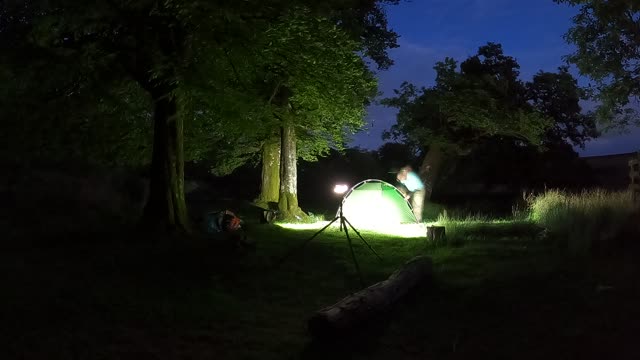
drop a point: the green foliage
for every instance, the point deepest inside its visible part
(557, 96)
(582, 220)
(328, 83)
(483, 99)
(78, 84)
(607, 38)
(482, 105)
(222, 61)
(365, 21)
(303, 68)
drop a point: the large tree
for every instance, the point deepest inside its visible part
(171, 51)
(321, 86)
(557, 96)
(482, 99)
(197, 64)
(312, 76)
(504, 160)
(606, 34)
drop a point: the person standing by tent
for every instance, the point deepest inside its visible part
(411, 181)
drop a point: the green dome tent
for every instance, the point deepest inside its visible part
(375, 203)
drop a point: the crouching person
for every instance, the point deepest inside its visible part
(415, 190)
(227, 227)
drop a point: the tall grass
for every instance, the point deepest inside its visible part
(471, 228)
(582, 219)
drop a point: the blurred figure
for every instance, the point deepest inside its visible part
(415, 190)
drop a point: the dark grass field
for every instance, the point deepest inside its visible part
(501, 294)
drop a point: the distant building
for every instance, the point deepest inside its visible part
(610, 171)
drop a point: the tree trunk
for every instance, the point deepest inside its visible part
(364, 306)
(166, 206)
(430, 168)
(270, 185)
(288, 197)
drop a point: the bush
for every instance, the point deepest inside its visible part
(584, 219)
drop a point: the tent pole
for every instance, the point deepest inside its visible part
(353, 254)
(294, 250)
(361, 238)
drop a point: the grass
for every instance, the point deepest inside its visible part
(582, 223)
(479, 228)
(99, 291)
(500, 293)
(583, 219)
(500, 289)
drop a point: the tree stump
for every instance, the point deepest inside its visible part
(436, 234)
(365, 305)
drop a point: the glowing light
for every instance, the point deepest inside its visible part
(306, 226)
(397, 230)
(340, 188)
(374, 204)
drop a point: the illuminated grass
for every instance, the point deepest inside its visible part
(399, 230)
(458, 231)
(303, 226)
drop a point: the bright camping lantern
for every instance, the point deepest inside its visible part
(374, 204)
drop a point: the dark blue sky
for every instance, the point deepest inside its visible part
(529, 30)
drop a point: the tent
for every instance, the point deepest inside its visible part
(375, 203)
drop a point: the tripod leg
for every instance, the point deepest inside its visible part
(296, 249)
(353, 254)
(363, 240)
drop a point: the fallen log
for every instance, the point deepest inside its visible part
(364, 306)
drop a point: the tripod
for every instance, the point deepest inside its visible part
(343, 227)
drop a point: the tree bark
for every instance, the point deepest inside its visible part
(430, 168)
(288, 198)
(270, 185)
(364, 306)
(166, 206)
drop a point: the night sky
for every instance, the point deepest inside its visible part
(529, 30)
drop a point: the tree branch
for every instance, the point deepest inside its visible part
(275, 92)
(233, 67)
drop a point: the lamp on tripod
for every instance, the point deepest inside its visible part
(344, 224)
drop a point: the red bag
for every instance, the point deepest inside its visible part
(230, 222)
